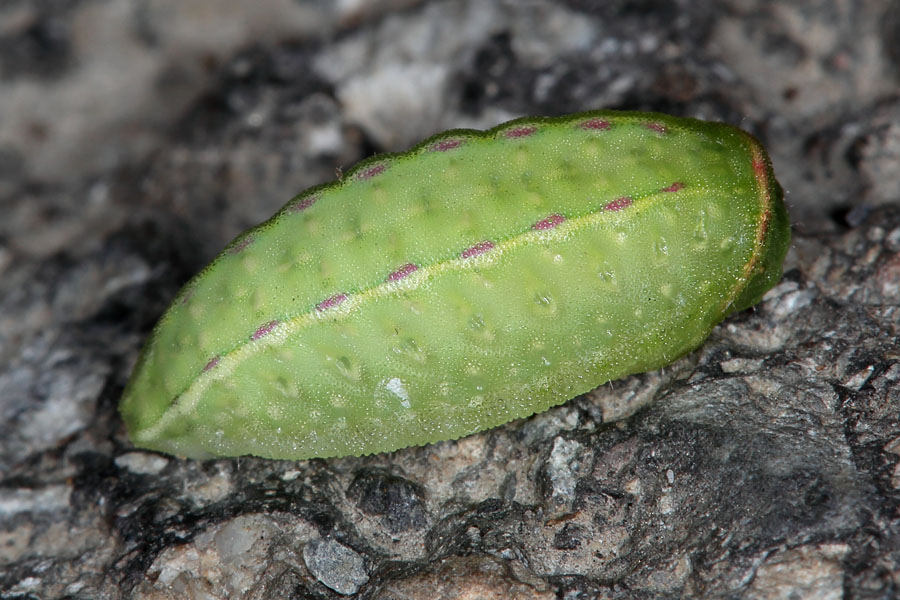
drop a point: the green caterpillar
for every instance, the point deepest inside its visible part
(478, 278)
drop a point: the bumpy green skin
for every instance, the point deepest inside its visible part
(531, 263)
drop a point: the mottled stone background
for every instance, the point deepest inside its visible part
(138, 137)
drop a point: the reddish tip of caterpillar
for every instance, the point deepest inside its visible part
(212, 363)
(619, 203)
(402, 272)
(595, 123)
(444, 145)
(371, 172)
(548, 223)
(264, 330)
(759, 168)
(331, 302)
(520, 132)
(304, 203)
(241, 245)
(479, 248)
(657, 127)
(677, 185)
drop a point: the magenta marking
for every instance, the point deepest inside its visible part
(520, 132)
(264, 330)
(595, 123)
(619, 203)
(212, 363)
(371, 172)
(479, 248)
(187, 296)
(657, 127)
(304, 203)
(402, 272)
(444, 145)
(241, 245)
(331, 302)
(674, 187)
(548, 223)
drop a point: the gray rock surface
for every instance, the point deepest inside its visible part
(335, 565)
(136, 139)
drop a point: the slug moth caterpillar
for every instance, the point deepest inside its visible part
(479, 277)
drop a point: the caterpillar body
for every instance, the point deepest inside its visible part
(480, 277)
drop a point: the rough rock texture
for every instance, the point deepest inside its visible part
(137, 138)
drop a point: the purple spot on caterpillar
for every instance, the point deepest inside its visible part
(402, 272)
(595, 123)
(241, 245)
(674, 187)
(212, 363)
(548, 223)
(479, 248)
(187, 296)
(371, 172)
(331, 302)
(444, 145)
(657, 127)
(304, 203)
(619, 203)
(264, 330)
(520, 132)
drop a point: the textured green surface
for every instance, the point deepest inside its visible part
(478, 278)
